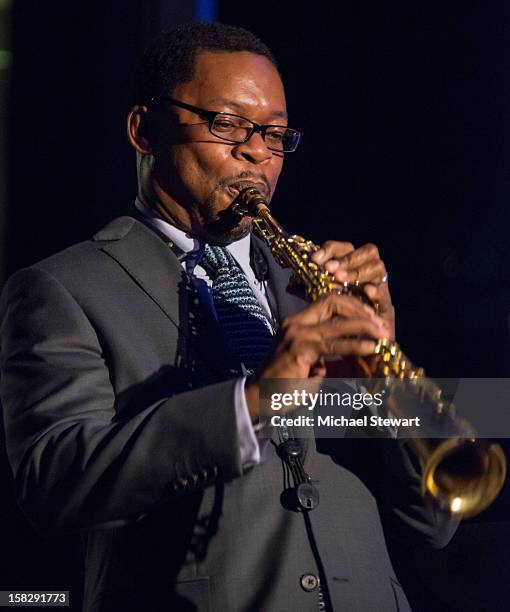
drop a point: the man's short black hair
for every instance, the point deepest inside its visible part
(170, 58)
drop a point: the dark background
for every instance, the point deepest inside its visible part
(405, 111)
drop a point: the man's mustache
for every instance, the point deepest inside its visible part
(244, 179)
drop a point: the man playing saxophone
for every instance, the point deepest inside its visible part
(132, 364)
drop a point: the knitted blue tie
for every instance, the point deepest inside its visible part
(246, 328)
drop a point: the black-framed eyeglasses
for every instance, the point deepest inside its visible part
(237, 129)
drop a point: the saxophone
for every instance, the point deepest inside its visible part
(463, 475)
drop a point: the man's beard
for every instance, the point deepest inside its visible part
(224, 227)
(218, 237)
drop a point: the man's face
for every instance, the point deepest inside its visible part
(196, 173)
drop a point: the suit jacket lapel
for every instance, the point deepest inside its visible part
(152, 265)
(147, 260)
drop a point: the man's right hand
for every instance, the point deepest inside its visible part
(334, 326)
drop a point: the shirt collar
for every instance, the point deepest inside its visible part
(190, 245)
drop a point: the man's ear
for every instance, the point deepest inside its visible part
(137, 129)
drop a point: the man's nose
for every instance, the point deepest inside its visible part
(253, 150)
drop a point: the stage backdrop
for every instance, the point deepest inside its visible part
(407, 131)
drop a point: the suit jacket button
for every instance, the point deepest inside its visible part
(309, 582)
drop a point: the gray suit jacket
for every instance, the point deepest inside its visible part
(119, 416)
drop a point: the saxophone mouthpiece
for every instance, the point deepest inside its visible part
(250, 202)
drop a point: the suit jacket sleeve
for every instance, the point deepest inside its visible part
(407, 517)
(390, 471)
(75, 464)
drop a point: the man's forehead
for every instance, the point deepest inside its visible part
(234, 104)
(234, 79)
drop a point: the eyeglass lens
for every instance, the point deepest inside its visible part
(237, 129)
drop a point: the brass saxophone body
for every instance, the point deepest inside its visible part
(461, 474)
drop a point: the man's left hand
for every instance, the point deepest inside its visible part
(363, 265)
